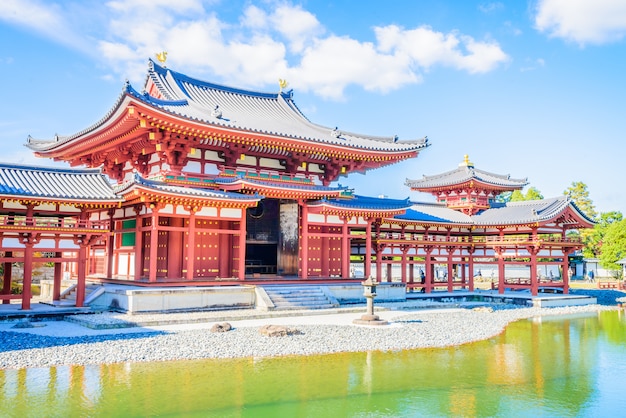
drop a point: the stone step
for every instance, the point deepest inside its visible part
(298, 297)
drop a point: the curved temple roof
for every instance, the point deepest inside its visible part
(466, 172)
(190, 192)
(56, 184)
(512, 213)
(268, 113)
(236, 109)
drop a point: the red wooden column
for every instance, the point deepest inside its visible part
(565, 271)
(500, 254)
(241, 265)
(345, 249)
(138, 242)
(470, 262)
(28, 272)
(191, 243)
(428, 265)
(82, 273)
(8, 271)
(379, 261)
(58, 276)
(110, 244)
(154, 242)
(450, 270)
(304, 242)
(405, 250)
(367, 268)
(534, 280)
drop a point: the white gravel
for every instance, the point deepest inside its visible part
(186, 336)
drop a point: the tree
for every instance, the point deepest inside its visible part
(579, 193)
(594, 238)
(614, 245)
(531, 194)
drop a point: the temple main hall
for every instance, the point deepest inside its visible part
(190, 183)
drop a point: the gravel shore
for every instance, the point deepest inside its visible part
(64, 343)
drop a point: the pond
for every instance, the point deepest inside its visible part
(561, 366)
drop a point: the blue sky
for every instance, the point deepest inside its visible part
(533, 89)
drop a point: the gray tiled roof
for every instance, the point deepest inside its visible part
(184, 191)
(464, 174)
(435, 212)
(527, 212)
(238, 109)
(74, 185)
(512, 213)
(268, 113)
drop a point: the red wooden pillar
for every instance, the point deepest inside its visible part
(58, 276)
(501, 271)
(154, 243)
(534, 280)
(345, 249)
(241, 265)
(379, 262)
(367, 257)
(450, 269)
(110, 245)
(304, 242)
(470, 262)
(428, 265)
(28, 274)
(565, 272)
(403, 263)
(82, 273)
(191, 244)
(138, 243)
(8, 271)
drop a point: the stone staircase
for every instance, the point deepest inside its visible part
(68, 296)
(292, 297)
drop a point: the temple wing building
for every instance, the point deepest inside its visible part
(212, 184)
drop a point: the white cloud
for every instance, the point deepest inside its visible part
(427, 48)
(333, 63)
(582, 21)
(297, 25)
(267, 41)
(50, 21)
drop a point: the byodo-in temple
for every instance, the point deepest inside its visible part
(190, 183)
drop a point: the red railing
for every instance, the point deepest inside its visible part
(36, 222)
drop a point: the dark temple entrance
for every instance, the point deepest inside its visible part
(272, 238)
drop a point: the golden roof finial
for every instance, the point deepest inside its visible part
(162, 57)
(466, 162)
(282, 83)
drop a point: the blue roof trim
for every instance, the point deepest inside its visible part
(414, 215)
(182, 78)
(365, 202)
(145, 97)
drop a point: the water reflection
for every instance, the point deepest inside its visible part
(553, 366)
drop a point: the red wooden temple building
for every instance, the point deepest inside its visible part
(211, 183)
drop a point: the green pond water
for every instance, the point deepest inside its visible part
(571, 366)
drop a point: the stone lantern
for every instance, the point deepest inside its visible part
(369, 291)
